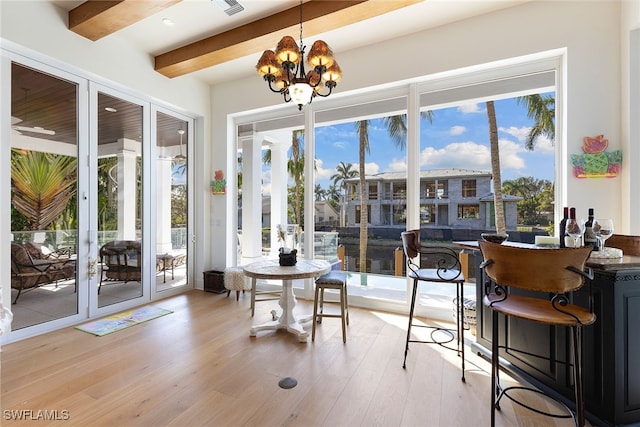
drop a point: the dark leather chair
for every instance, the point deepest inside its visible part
(546, 276)
(438, 264)
(630, 245)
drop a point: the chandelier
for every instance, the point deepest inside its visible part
(284, 72)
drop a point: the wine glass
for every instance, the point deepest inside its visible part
(603, 229)
(575, 229)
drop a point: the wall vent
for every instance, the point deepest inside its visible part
(230, 7)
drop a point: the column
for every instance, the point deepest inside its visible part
(279, 186)
(163, 205)
(251, 197)
(127, 194)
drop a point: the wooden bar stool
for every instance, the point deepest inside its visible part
(332, 280)
(533, 284)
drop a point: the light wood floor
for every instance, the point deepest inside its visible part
(199, 367)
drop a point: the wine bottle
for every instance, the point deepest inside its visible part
(589, 236)
(562, 232)
(569, 242)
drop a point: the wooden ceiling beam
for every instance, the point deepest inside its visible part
(95, 19)
(318, 16)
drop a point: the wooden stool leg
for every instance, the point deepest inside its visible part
(315, 314)
(343, 316)
(346, 301)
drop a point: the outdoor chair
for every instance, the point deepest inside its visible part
(33, 266)
(121, 260)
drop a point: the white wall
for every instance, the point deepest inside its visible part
(39, 29)
(589, 31)
(630, 117)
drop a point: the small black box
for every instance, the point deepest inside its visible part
(214, 281)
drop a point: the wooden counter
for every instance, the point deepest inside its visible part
(611, 346)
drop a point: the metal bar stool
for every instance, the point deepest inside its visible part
(551, 274)
(332, 280)
(444, 267)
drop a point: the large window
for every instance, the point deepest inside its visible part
(424, 181)
(468, 211)
(468, 188)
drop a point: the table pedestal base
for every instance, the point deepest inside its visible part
(287, 320)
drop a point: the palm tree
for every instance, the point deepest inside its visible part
(542, 109)
(344, 171)
(397, 127)
(495, 169)
(539, 108)
(320, 193)
(43, 184)
(295, 166)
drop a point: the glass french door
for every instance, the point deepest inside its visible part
(172, 134)
(118, 133)
(45, 184)
(99, 198)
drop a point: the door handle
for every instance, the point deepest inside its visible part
(92, 267)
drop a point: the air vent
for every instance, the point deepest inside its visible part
(230, 7)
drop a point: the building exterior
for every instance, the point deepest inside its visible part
(448, 197)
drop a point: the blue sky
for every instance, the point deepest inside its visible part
(458, 137)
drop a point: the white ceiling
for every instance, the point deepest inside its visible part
(198, 19)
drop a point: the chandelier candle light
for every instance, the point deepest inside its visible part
(284, 72)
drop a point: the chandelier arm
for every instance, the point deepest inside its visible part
(276, 90)
(326, 94)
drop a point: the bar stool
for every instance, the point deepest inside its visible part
(332, 280)
(552, 273)
(444, 267)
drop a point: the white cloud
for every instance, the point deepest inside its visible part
(520, 133)
(369, 168)
(542, 143)
(471, 155)
(457, 130)
(397, 165)
(339, 145)
(470, 108)
(321, 172)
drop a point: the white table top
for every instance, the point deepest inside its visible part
(271, 269)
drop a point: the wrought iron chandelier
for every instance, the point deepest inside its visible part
(284, 72)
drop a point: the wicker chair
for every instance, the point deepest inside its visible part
(32, 266)
(121, 261)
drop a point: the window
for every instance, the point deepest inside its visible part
(399, 191)
(427, 214)
(358, 210)
(468, 188)
(468, 211)
(373, 191)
